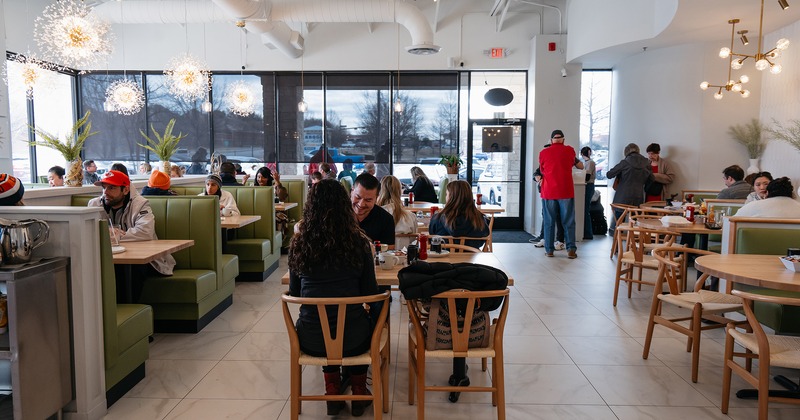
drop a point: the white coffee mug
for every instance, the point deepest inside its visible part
(227, 212)
(388, 260)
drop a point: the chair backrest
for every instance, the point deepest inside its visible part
(462, 240)
(754, 235)
(671, 265)
(626, 208)
(635, 239)
(460, 248)
(470, 300)
(750, 298)
(347, 183)
(334, 346)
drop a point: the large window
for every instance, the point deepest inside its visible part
(595, 112)
(240, 138)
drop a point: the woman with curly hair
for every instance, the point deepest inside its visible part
(330, 256)
(460, 217)
(389, 199)
(266, 178)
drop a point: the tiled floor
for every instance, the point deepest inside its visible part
(569, 354)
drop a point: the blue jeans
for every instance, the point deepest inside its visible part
(566, 208)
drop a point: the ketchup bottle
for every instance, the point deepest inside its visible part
(411, 198)
(423, 246)
(690, 213)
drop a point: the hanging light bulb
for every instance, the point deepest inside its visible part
(704, 85)
(302, 106)
(33, 73)
(736, 87)
(69, 33)
(398, 106)
(736, 64)
(744, 78)
(718, 95)
(125, 97)
(108, 106)
(775, 69)
(724, 52)
(745, 93)
(782, 44)
(762, 64)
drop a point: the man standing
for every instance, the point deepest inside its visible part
(737, 189)
(131, 215)
(90, 176)
(376, 222)
(558, 193)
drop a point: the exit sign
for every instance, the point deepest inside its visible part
(497, 53)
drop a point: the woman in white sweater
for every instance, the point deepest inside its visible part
(227, 205)
(404, 220)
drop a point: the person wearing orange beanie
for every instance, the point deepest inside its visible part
(158, 184)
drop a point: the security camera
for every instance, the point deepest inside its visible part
(460, 64)
(563, 72)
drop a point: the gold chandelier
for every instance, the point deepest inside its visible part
(68, 33)
(731, 85)
(762, 60)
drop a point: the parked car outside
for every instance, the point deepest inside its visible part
(490, 183)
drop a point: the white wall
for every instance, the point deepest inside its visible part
(656, 98)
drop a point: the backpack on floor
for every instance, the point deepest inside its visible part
(599, 222)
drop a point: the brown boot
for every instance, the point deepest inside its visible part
(359, 384)
(333, 383)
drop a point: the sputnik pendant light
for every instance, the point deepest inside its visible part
(302, 106)
(239, 97)
(206, 107)
(33, 73)
(70, 34)
(187, 77)
(398, 105)
(124, 96)
(731, 85)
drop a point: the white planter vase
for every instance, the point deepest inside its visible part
(753, 168)
(452, 177)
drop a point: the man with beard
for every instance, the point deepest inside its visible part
(376, 222)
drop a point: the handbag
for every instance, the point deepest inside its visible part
(438, 330)
(653, 187)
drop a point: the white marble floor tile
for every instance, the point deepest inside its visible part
(234, 321)
(636, 326)
(559, 412)
(212, 409)
(272, 321)
(643, 412)
(548, 384)
(261, 346)
(170, 378)
(259, 302)
(266, 380)
(201, 346)
(128, 408)
(774, 413)
(672, 351)
(537, 350)
(621, 351)
(562, 306)
(581, 326)
(643, 385)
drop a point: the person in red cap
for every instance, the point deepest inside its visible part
(132, 213)
(158, 184)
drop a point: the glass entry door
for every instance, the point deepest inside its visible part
(494, 166)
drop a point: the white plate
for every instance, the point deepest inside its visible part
(117, 249)
(438, 254)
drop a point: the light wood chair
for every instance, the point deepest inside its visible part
(417, 354)
(460, 248)
(621, 220)
(704, 304)
(377, 356)
(462, 240)
(769, 350)
(635, 245)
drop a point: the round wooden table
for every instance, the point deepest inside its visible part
(756, 270)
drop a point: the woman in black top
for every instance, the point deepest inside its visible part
(331, 256)
(266, 178)
(460, 217)
(423, 187)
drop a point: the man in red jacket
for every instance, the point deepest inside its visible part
(558, 193)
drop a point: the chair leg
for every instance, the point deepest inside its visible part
(421, 389)
(412, 372)
(651, 324)
(483, 364)
(385, 383)
(698, 310)
(726, 373)
(296, 389)
(499, 383)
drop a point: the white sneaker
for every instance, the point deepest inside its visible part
(559, 246)
(539, 244)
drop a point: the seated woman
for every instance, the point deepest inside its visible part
(404, 220)
(760, 182)
(322, 267)
(460, 217)
(779, 203)
(226, 202)
(265, 178)
(423, 187)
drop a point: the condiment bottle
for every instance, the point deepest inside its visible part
(423, 246)
(411, 198)
(690, 213)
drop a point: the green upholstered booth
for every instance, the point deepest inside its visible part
(442, 194)
(298, 190)
(258, 245)
(126, 328)
(765, 236)
(203, 280)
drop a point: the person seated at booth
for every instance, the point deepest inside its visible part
(423, 187)
(460, 217)
(227, 204)
(316, 177)
(347, 171)
(266, 178)
(736, 188)
(176, 171)
(158, 184)
(55, 176)
(11, 191)
(760, 182)
(227, 174)
(327, 170)
(90, 175)
(779, 204)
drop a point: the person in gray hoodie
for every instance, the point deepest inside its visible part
(632, 172)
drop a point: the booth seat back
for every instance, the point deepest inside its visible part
(81, 200)
(126, 327)
(730, 207)
(699, 195)
(748, 235)
(257, 201)
(298, 190)
(188, 190)
(189, 217)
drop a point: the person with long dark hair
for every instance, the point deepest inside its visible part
(330, 256)
(780, 202)
(265, 178)
(423, 187)
(460, 217)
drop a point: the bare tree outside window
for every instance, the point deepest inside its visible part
(595, 116)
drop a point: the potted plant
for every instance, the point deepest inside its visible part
(749, 135)
(70, 147)
(452, 163)
(164, 146)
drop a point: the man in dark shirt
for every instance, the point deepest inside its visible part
(227, 173)
(376, 222)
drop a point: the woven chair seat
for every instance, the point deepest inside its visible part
(361, 359)
(784, 351)
(712, 301)
(648, 261)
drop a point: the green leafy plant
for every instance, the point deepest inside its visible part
(451, 162)
(164, 146)
(790, 134)
(72, 145)
(749, 135)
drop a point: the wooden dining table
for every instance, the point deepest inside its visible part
(235, 222)
(284, 206)
(389, 277)
(145, 252)
(687, 229)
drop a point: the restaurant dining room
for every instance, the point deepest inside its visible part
(275, 209)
